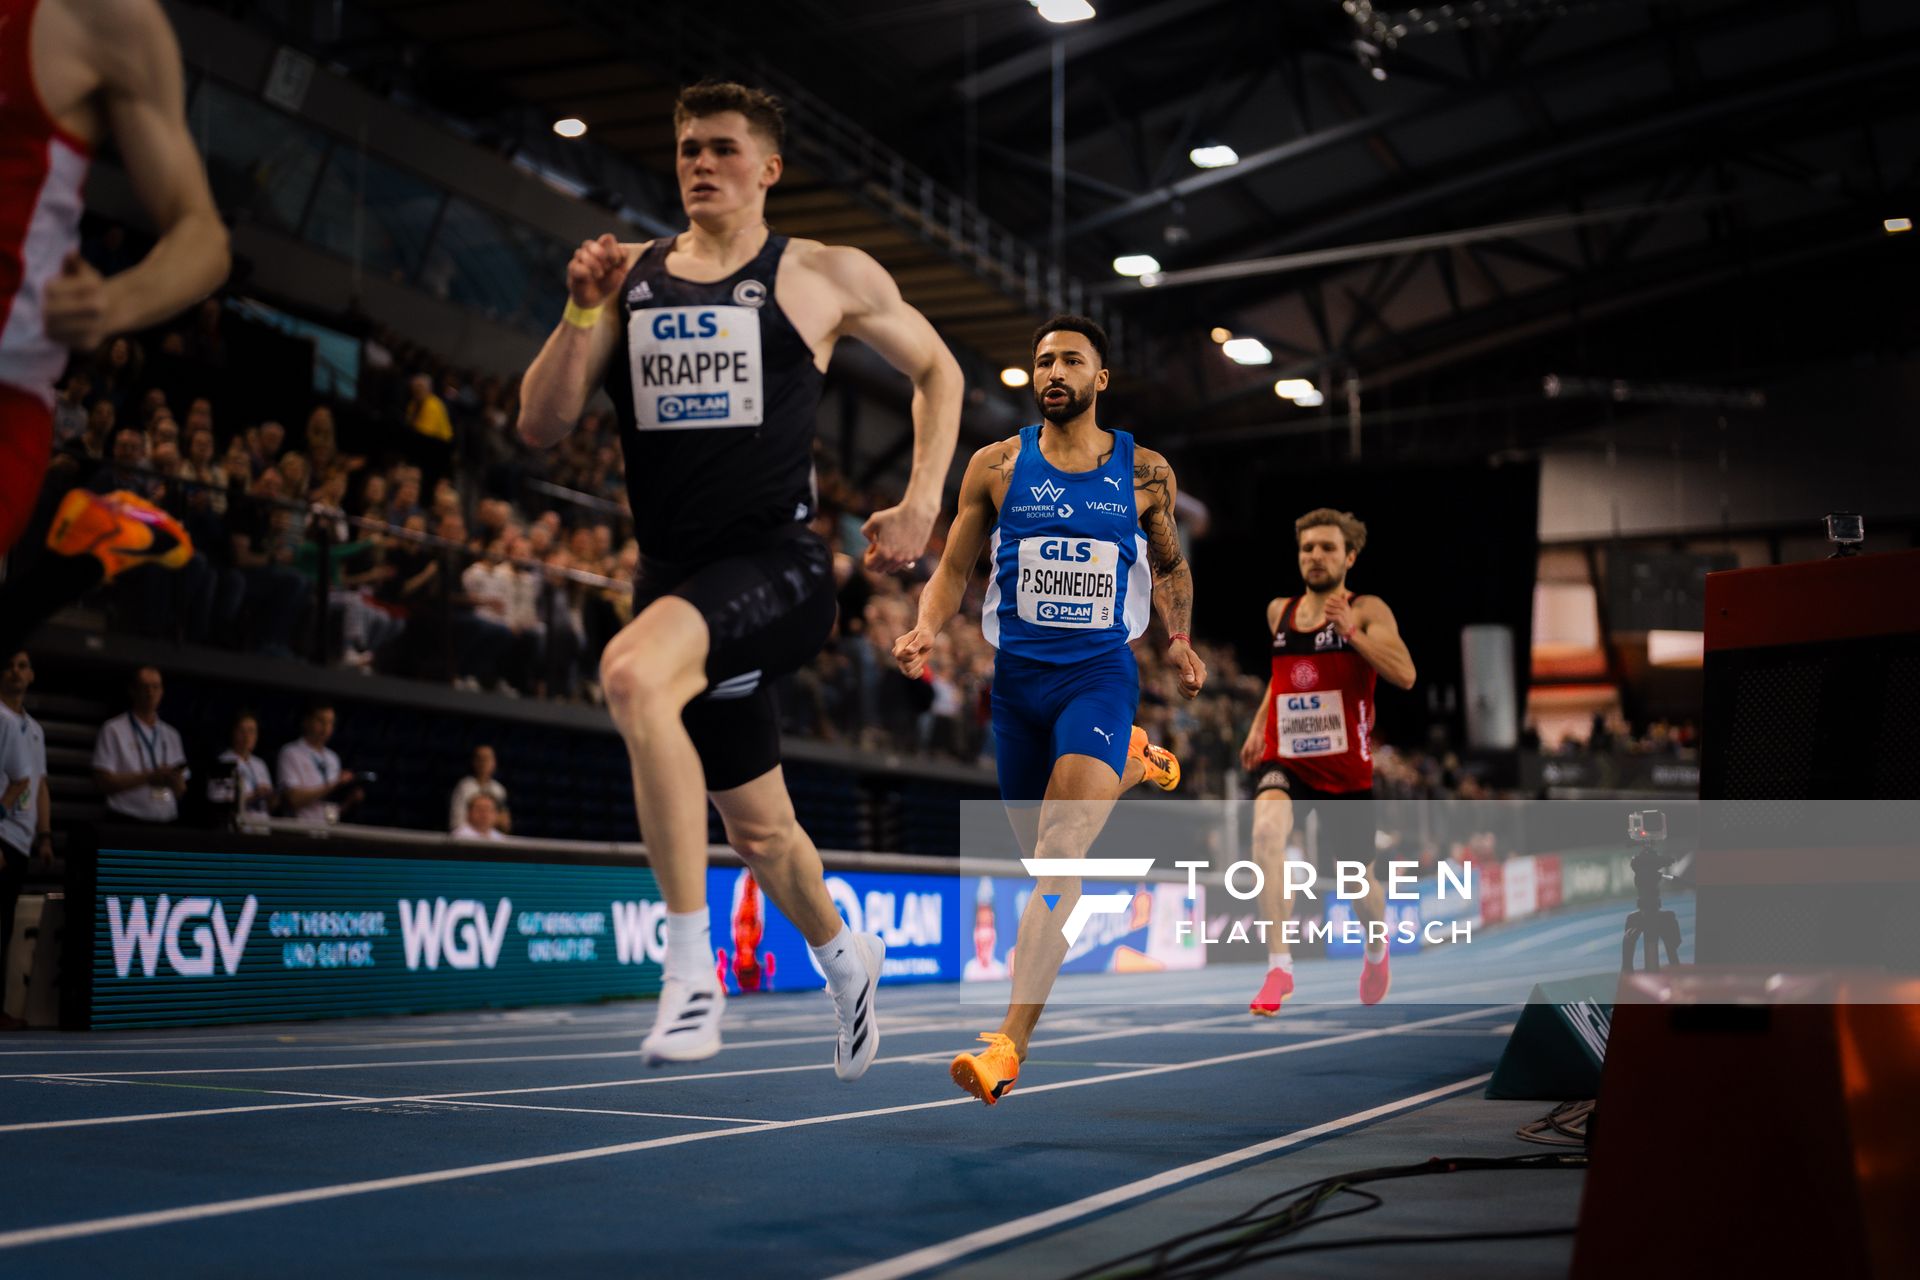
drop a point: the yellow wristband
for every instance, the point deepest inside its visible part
(581, 317)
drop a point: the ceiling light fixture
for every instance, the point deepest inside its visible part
(1247, 351)
(1063, 10)
(1136, 264)
(1013, 376)
(570, 127)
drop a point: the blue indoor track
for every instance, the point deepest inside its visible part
(534, 1141)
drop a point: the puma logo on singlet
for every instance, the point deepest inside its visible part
(1110, 480)
(1103, 733)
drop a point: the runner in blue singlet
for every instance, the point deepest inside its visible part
(1082, 543)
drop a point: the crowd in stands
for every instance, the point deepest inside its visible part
(452, 551)
(1611, 731)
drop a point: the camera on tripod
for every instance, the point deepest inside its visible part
(1648, 829)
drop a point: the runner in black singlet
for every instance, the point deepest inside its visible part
(712, 345)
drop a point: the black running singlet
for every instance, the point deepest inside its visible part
(716, 397)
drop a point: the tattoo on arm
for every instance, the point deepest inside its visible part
(1002, 466)
(1172, 582)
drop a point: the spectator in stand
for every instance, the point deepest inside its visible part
(446, 502)
(323, 446)
(252, 781)
(26, 810)
(206, 490)
(264, 443)
(478, 823)
(487, 586)
(563, 625)
(406, 496)
(199, 414)
(264, 557)
(426, 413)
(129, 461)
(373, 497)
(117, 373)
(163, 459)
(313, 785)
(70, 410)
(296, 476)
(480, 782)
(92, 444)
(238, 462)
(139, 761)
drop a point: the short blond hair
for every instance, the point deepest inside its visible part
(1349, 525)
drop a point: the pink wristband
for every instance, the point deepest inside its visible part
(1179, 635)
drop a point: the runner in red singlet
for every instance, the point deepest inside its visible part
(73, 72)
(1309, 745)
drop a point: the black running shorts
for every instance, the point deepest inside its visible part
(768, 611)
(1346, 831)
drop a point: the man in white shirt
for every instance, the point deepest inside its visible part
(479, 824)
(481, 781)
(139, 761)
(310, 772)
(252, 781)
(25, 813)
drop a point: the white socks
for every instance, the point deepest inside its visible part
(840, 957)
(689, 947)
(1283, 963)
(1376, 952)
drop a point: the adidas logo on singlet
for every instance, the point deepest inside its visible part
(642, 292)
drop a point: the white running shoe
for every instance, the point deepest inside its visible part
(687, 1026)
(859, 1026)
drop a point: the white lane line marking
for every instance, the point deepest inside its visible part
(960, 1246)
(222, 1208)
(342, 1101)
(781, 1042)
(597, 1111)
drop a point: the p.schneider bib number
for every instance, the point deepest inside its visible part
(1068, 582)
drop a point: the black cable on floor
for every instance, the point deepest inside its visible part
(1239, 1241)
(1564, 1126)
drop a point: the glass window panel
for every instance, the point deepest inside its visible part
(259, 161)
(499, 267)
(394, 225)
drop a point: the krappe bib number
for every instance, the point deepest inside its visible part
(695, 367)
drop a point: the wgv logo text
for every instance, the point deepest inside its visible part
(458, 932)
(158, 932)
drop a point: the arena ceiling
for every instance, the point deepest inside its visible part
(1691, 192)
